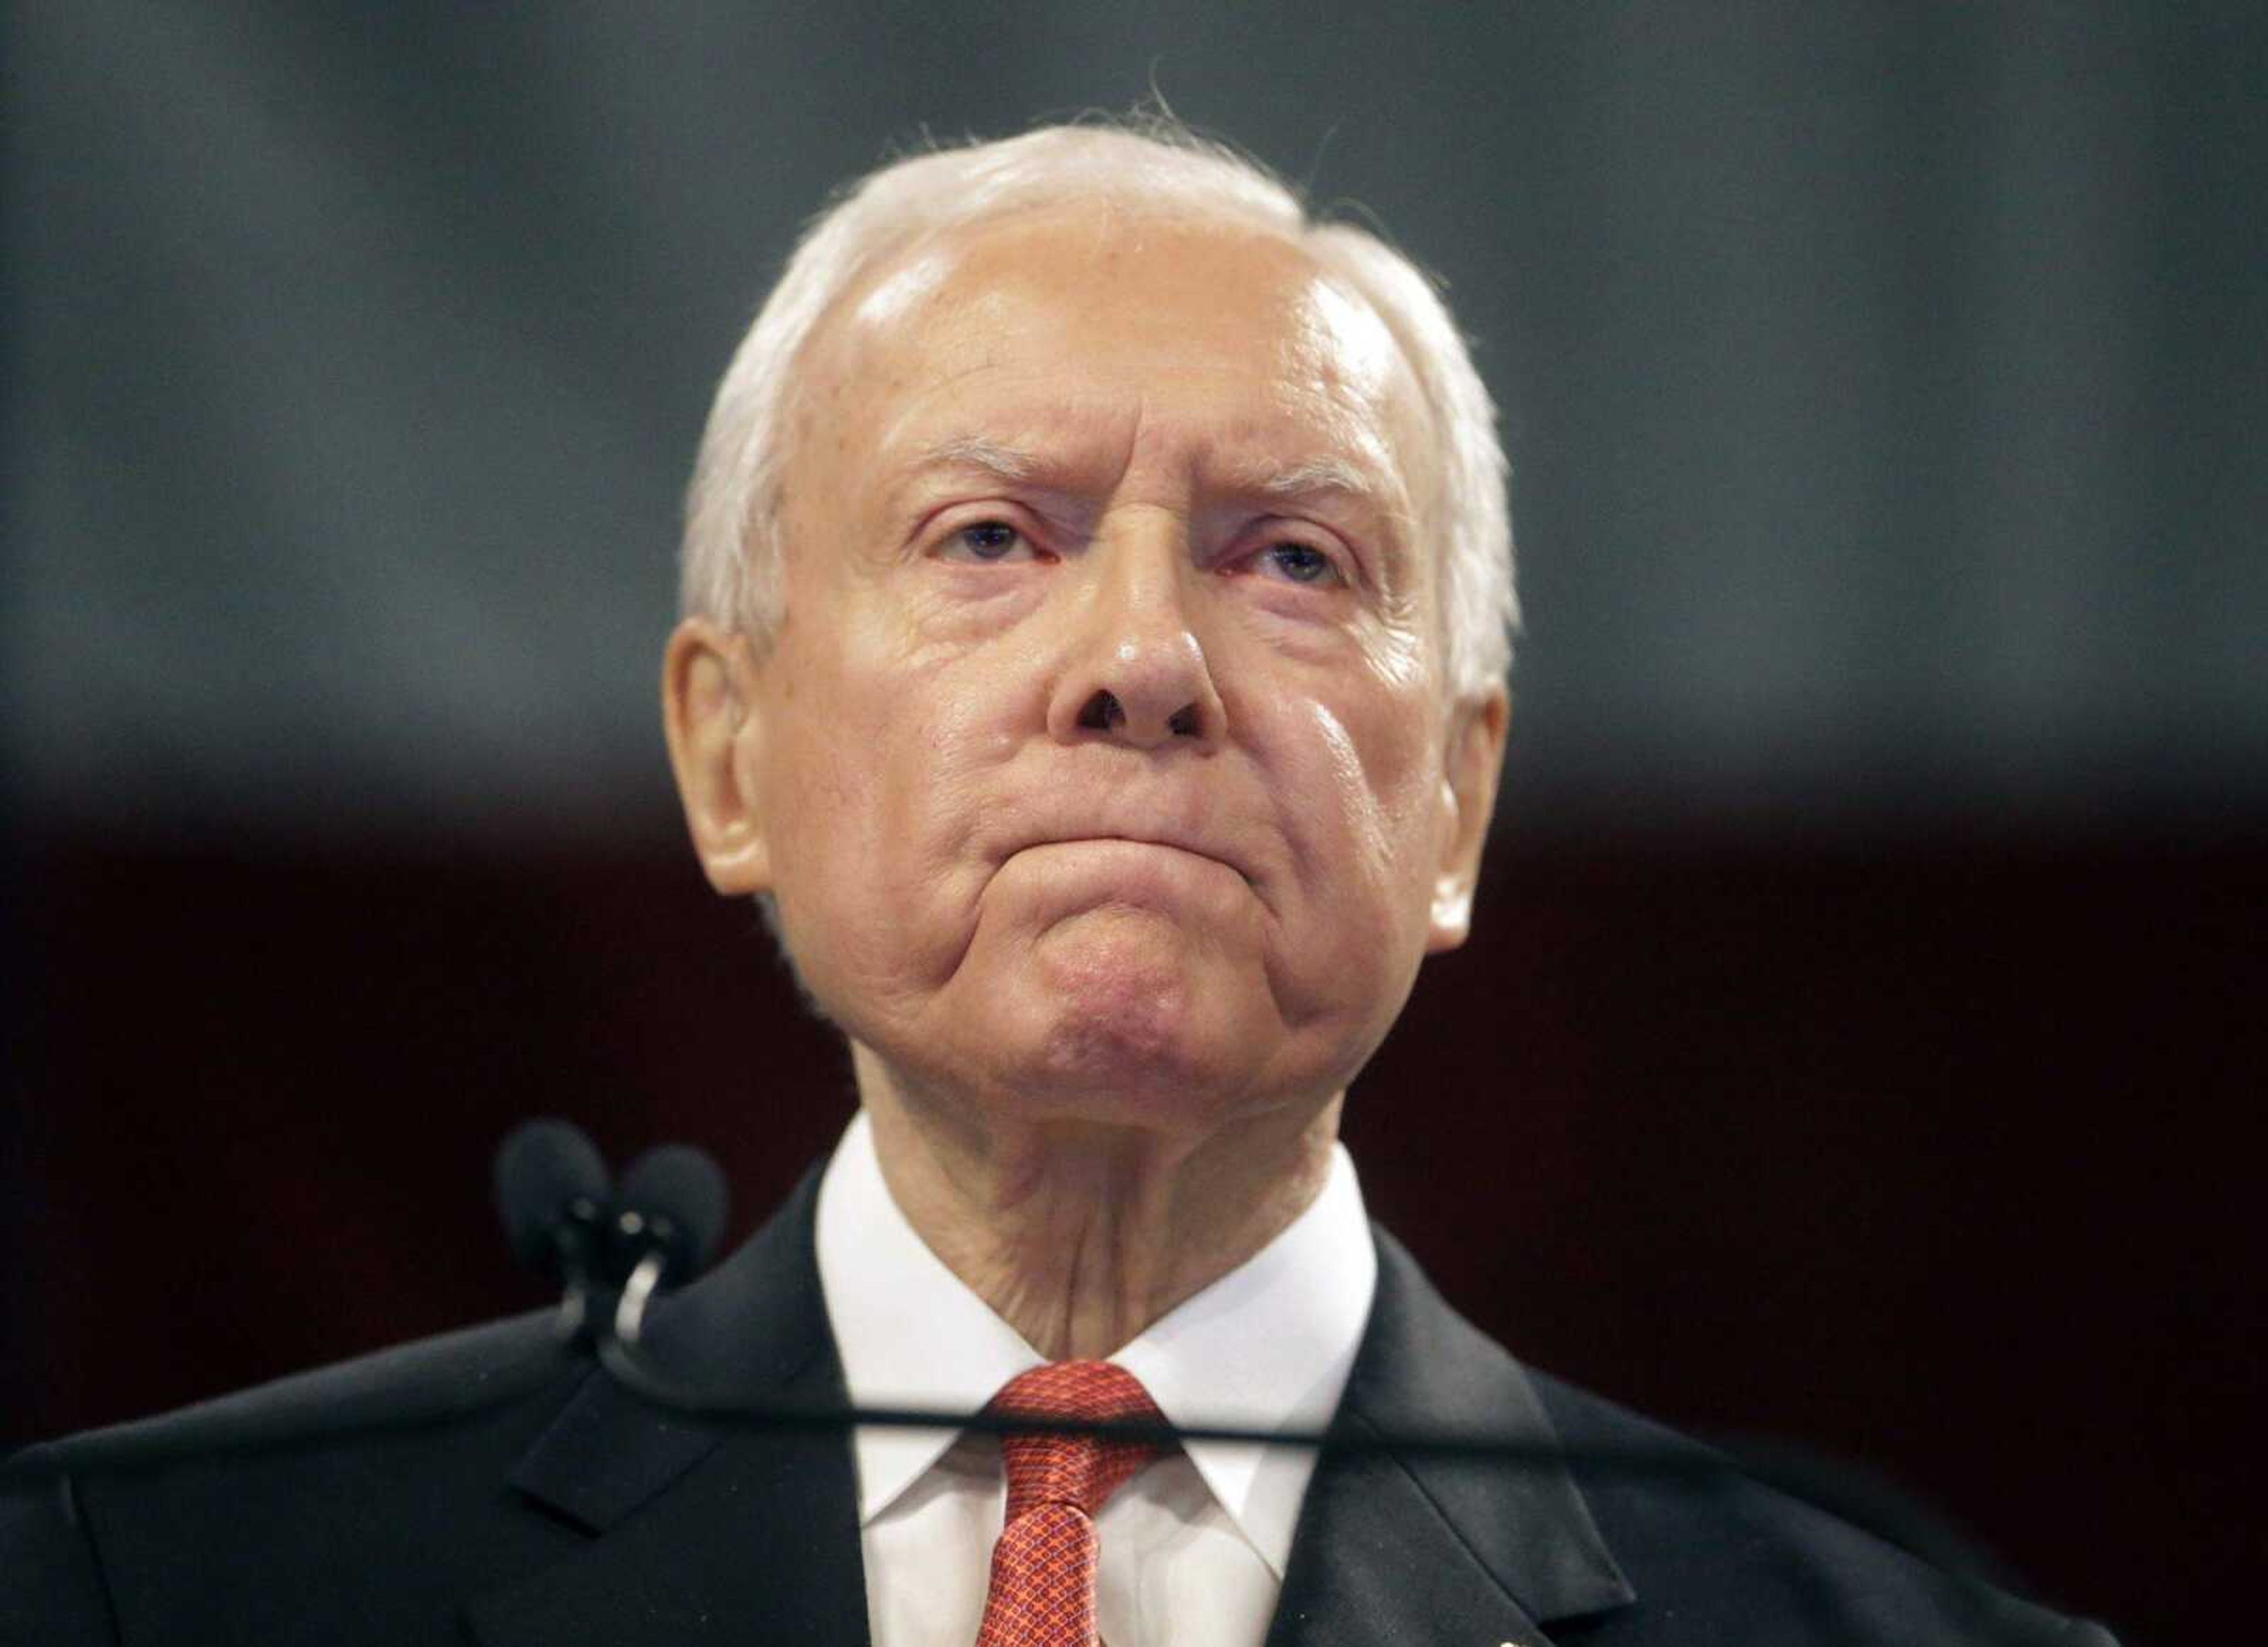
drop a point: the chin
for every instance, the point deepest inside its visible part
(1160, 1045)
(1121, 1015)
(1101, 1067)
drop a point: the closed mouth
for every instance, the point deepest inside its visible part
(1146, 840)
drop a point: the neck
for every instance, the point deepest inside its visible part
(1081, 1233)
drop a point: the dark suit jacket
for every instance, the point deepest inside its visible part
(492, 1484)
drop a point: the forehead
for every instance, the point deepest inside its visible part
(1231, 339)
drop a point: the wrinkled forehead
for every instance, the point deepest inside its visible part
(1177, 299)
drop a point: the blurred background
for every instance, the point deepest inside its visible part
(1861, 1047)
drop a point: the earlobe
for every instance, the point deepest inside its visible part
(1471, 759)
(711, 719)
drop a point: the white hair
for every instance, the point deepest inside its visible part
(730, 568)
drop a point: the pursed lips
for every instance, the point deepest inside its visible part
(1164, 842)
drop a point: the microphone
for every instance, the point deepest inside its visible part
(553, 1192)
(667, 1217)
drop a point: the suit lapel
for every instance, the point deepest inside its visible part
(1396, 1548)
(701, 1531)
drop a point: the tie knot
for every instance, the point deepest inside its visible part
(1081, 1471)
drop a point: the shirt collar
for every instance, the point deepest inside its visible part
(1269, 1346)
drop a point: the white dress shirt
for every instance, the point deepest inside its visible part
(1193, 1547)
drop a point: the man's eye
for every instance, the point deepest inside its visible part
(985, 542)
(1299, 563)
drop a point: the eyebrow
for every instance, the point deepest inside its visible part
(1309, 476)
(973, 452)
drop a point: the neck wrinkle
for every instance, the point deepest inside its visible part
(1080, 1235)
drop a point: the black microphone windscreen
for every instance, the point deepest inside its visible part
(679, 1184)
(541, 1167)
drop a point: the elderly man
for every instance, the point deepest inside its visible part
(1098, 587)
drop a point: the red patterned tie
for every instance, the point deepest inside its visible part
(1042, 1588)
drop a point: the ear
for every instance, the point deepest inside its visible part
(710, 716)
(1471, 758)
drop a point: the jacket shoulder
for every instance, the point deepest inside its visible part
(1845, 1559)
(453, 1376)
(376, 1481)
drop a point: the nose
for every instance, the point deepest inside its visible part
(1135, 672)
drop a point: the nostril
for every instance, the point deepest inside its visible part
(1102, 712)
(1184, 721)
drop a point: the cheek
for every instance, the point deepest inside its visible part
(881, 775)
(1378, 762)
(1355, 784)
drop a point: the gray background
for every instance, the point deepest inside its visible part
(1884, 383)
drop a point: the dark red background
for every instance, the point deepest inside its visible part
(1939, 1156)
